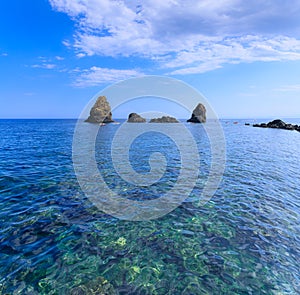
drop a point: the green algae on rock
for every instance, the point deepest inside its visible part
(99, 286)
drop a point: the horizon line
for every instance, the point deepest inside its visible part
(221, 118)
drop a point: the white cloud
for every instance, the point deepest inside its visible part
(289, 88)
(213, 55)
(44, 66)
(48, 63)
(201, 68)
(4, 54)
(66, 43)
(185, 35)
(80, 55)
(97, 76)
(59, 57)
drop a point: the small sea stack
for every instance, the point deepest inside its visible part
(100, 112)
(164, 119)
(198, 115)
(135, 118)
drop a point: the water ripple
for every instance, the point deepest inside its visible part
(246, 240)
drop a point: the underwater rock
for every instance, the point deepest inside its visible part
(100, 112)
(198, 115)
(278, 124)
(99, 286)
(135, 118)
(164, 119)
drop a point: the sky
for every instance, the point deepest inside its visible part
(243, 56)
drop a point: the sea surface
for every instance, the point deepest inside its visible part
(54, 240)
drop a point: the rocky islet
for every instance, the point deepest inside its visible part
(278, 124)
(164, 119)
(135, 118)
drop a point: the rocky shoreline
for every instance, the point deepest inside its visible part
(278, 124)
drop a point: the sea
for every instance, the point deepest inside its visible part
(55, 240)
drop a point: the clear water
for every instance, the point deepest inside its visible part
(245, 240)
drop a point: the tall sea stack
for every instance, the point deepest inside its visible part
(100, 112)
(198, 115)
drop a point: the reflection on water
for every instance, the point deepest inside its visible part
(245, 240)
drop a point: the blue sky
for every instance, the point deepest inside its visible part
(56, 55)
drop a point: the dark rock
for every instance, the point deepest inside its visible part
(263, 125)
(247, 124)
(135, 118)
(100, 112)
(164, 119)
(290, 127)
(198, 115)
(278, 124)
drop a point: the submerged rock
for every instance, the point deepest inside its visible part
(278, 124)
(99, 286)
(135, 118)
(164, 119)
(198, 115)
(100, 112)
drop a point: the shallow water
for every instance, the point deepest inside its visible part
(245, 240)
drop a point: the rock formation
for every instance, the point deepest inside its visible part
(164, 119)
(198, 115)
(135, 118)
(100, 112)
(278, 124)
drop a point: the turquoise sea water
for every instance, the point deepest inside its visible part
(53, 240)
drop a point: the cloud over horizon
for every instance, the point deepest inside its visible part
(184, 37)
(96, 75)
